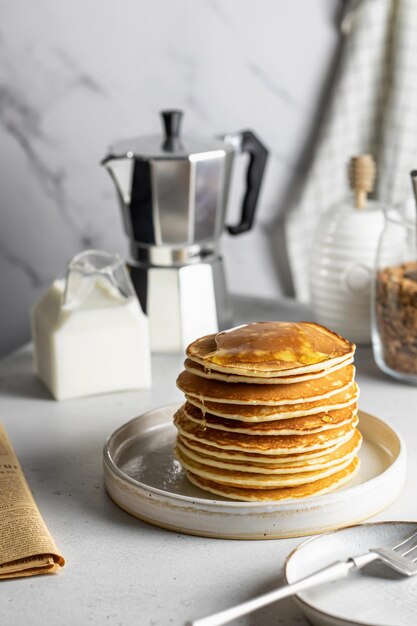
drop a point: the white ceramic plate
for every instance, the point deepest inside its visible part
(375, 596)
(143, 477)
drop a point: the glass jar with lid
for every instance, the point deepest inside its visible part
(394, 314)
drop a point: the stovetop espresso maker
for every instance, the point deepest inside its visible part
(173, 193)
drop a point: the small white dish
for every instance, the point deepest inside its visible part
(374, 596)
(143, 477)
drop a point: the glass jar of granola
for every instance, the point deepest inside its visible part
(394, 319)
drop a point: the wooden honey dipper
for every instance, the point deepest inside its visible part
(362, 174)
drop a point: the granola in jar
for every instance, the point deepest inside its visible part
(396, 315)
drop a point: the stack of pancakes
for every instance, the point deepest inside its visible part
(270, 412)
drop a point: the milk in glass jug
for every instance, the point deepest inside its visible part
(90, 334)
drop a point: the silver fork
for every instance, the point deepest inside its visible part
(402, 557)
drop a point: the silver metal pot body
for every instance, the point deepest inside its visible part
(177, 208)
(173, 192)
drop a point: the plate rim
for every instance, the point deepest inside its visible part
(299, 547)
(232, 504)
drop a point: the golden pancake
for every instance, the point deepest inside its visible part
(205, 372)
(294, 426)
(261, 413)
(266, 444)
(255, 480)
(318, 487)
(266, 348)
(242, 393)
(271, 412)
(348, 450)
(309, 457)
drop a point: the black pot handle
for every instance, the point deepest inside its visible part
(258, 155)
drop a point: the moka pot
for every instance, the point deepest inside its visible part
(173, 192)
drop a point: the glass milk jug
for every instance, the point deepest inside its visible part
(90, 334)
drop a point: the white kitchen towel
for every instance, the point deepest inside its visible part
(372, 109)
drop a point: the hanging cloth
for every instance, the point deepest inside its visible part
(372, 109)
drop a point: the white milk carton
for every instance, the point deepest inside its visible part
(90, 334)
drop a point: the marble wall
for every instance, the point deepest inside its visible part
(78, 75)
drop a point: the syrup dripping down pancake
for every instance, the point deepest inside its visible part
(242, 393)
(208, 372)
(261, 413)
(293, 426)
(265, 444)
(271, 349)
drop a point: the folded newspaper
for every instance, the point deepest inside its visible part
(26, 546)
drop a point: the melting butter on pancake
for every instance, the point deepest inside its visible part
(342, 454)
(200, 370)
(294, 426)
(271, 347)
(266, 444)
(242, 393)
(318, 487)
(263, 413)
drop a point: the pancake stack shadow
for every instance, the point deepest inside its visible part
(270, 412)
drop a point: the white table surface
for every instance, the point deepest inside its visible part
(119, 570)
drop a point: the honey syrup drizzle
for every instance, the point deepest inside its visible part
(266, 341)
(203, 411)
